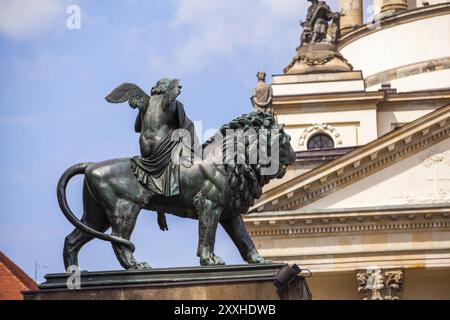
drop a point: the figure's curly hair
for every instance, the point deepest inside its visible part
(163, 86)
(245, 179)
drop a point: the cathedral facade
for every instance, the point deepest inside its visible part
(366, 207)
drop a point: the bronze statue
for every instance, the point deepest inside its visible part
(208, 189)
(262, 94)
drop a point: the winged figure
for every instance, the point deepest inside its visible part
(160, 114)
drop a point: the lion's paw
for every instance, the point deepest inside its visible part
(141, 266)
(256, 259)
(211, 260)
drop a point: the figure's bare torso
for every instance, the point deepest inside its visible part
(156, 124)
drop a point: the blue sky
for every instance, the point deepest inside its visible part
(53, 113)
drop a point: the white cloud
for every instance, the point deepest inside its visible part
(221, 28)
(27, 18)
(26, 120)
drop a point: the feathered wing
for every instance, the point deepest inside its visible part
(130, 92)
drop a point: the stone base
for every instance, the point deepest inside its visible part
(246, 282)
(318, 58)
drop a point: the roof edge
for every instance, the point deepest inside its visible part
(18, 272)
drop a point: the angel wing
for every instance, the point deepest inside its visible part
(130, 92)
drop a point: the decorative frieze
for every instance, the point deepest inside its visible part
(351, 222)
(350, 228)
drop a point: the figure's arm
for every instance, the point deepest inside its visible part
(253, 98)
(269, 101)
(266, 103)
(138, 123)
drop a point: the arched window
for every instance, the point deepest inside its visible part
(320, 141)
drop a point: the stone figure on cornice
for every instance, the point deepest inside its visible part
(262, 94)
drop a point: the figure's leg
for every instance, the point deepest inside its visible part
(94, 216)
(162, 222)
(235, 228)
(123, 220)
(208, 218)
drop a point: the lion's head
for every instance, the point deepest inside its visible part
(262, 151)
(287, 155)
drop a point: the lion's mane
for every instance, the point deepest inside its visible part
(245, 179)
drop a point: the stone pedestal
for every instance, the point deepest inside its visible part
(318, 57)
(246, 282)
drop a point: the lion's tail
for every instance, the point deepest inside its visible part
(62, 200)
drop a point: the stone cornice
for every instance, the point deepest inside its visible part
(368, 159)
(289, 104)
(364, 220)
(400, 72)
(423, 95)
(395, 20)
(293, 101)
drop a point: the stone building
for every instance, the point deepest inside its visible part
(13, 280)
(366, 206)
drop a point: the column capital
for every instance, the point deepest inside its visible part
(378, 284)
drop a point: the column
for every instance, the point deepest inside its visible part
(353, 15)
(377, 4)
(394, 6)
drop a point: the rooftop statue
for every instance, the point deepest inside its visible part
(315, 28)
(317, 51)
(262, 94)
(172, 176)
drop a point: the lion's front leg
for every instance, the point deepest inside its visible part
(235, 228)
(208, 218)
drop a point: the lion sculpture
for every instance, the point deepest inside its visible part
(213, 191)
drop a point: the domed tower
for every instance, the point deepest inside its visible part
(404, 46)
(366, 206)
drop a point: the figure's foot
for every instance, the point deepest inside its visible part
(140, 266)
(256, 258)
(211, 260)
